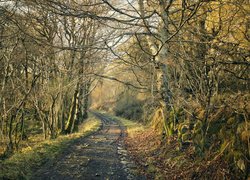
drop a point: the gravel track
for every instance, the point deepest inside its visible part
(101, 155)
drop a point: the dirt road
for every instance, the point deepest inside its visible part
(99, 156)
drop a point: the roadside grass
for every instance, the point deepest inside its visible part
(22, 164)
(132, 127)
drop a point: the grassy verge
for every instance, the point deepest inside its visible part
(132, 127)
(21, 164)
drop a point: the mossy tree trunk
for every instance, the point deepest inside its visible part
(72, 119)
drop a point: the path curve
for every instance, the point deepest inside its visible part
(99, 156)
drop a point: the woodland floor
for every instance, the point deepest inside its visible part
(99, 156)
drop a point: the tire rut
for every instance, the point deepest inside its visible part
(99, 156)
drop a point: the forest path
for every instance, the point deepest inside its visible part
(99, 156)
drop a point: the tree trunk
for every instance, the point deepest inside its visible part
(71, 123)
(10, 146)
(86, 100)
(159, 55)
(63, 112)
(44, 129)
(52, 119)
(80, 103)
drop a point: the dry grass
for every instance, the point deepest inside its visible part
(133, 128)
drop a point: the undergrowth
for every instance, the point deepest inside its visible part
(161, 158)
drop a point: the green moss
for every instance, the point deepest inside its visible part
(151, 169)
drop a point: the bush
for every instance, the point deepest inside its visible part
(129, 109)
